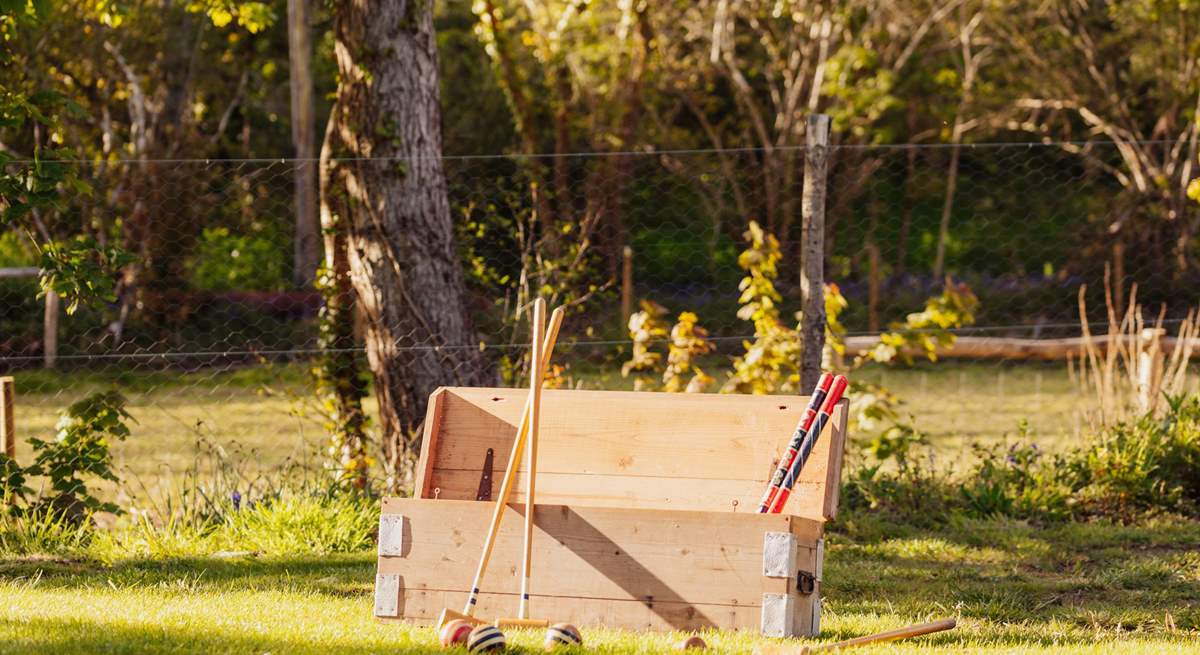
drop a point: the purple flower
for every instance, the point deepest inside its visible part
(237, 500)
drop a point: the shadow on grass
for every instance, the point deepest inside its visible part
(1103, 579)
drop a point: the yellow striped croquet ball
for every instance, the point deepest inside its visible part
(485, 638)
(562, 634)
(455, 632)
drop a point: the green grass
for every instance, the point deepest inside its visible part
(1074, 588)
(277, 579)
(267, 415)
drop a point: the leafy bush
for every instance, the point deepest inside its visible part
(1148, 466)
(225, 261)
(1017, 481)
(78, 454)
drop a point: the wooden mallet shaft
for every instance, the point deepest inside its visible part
(514, 458)
(536, 374)
(890, 635)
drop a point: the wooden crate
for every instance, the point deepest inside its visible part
(644, 518)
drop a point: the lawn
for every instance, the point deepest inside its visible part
(1075, 588)
(266, 417)
(1015, 587)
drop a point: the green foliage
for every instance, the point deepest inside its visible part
(646, 328)
(79, 451)
(303, 525)
(1151, 463)
(295, 522)
(254, 16)
(341, 385)
(688, 341)
(1145, 467)
(923, 332)
(42, 533)
(1019, 481)
(225, 261)
(81, 269)
(771, 362)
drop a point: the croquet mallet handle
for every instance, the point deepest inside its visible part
(514, 459)
(899, 633)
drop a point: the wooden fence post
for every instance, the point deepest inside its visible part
(8, 424)
(50, 330)
(812, 250)
(626, 285)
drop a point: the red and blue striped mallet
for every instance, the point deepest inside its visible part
(810, 440)
(806, 421)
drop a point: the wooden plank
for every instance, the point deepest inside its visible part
(693, 494)
(434, 413)
(8, 423)
(590, 437)
(611, 553)
(419, 606)
(833, 470)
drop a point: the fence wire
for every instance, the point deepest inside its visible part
(210, 339)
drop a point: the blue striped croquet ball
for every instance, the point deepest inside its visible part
(455, 632)
(485, 638)
(562, 634)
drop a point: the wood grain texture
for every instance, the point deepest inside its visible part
(637, 449)
(622, 567)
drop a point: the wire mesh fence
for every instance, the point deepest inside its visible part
(210, 339)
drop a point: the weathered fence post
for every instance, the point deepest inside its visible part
(626, 285)
(8, 424)
(812, 250)
(50, 330)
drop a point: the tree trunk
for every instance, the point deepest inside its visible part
(390, 189)
(306, 242)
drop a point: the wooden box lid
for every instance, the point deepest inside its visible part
(643, 450)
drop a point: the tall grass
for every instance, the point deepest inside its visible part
(1128, 370)
(43, 533)
(301, 522)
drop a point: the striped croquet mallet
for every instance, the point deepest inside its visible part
(810, 440)
(785, 462)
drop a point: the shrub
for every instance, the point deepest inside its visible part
(1148, 466)
(77, 456)
(225, 261)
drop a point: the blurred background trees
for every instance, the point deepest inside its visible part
(174, 116)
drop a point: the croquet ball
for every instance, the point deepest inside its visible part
(562, 634)
(455, 632)
(690, 643)
(485, 638)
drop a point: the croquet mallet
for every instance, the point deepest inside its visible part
(810, 440)
(802, 428)
(890, 635)
(538, 373)
(514, 458)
